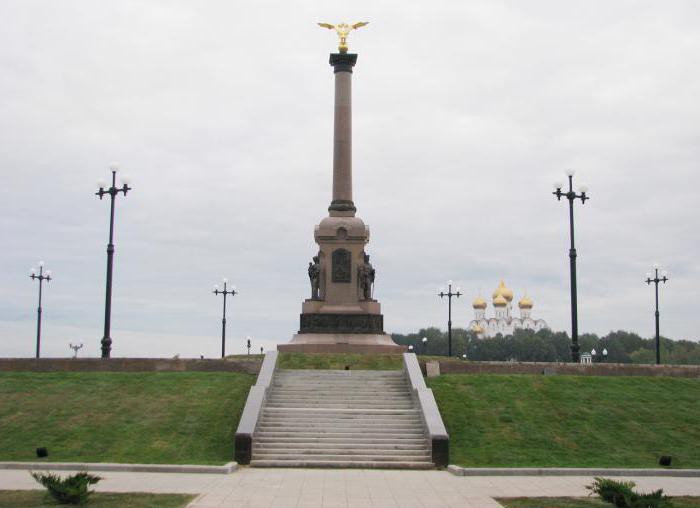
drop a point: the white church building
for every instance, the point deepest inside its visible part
(503, 321)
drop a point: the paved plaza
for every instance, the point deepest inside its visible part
(350, 488)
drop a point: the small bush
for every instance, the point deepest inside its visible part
(69, 490)
(621, 495)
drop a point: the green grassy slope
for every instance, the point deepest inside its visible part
(169, 417)
(569, 421)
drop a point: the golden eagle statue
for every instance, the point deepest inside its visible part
(343, 30)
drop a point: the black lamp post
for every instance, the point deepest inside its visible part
(656, 279)
(41, 277)
(599, 358)
(424, 340)
(75, 348)
(572, 196)
(449, 294)
(224, 292)
(248, 344)
(113, 191)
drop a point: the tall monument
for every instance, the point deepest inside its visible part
(341, 314)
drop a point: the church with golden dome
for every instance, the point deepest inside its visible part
(503, 321)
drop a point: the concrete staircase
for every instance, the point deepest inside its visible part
(341, 418)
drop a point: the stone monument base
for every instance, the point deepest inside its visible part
(363, 343)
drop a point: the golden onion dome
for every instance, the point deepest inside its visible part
(500, 301)
(525, 302)
(503, 291)
(477, 329)
(479, 303)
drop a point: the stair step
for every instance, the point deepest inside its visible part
(343, 455)
(319, 411)
(268, 447)
(342, 419)
(353, 434)
(343, 395)
(342, 423)
(339, 373)
(331, 440)
(370, 386)
(343, 464)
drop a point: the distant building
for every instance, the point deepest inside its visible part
(503, 321)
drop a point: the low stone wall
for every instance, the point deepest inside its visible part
(251, 366)
(571, 369)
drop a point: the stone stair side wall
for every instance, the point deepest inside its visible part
(435, 428)
(254, 404)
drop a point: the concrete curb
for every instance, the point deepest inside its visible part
(124, 468)
(568, 471)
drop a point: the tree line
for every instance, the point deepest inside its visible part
(548, 346)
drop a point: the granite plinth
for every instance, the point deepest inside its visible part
(325, 323)
(342, 343)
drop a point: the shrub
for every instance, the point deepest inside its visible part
(69, 490)
(621, 495)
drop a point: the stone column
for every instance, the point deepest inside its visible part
(342, 204)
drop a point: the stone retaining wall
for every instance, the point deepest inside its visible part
(544, 368)
(251, 366)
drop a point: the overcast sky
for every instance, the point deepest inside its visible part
(464, 115)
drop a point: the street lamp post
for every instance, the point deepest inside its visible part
(113, 191)
(449, 294)
(75, 348)
(658, 277)
(602, 358)
(248, 344)
(424, 340)
(224, 292)
(571, 196)
(41, 277)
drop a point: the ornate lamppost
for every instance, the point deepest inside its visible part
(449, 294)
(41, 277)
(113, 191)
(224, 292)
(424, 340)
(572, 196)
(658, 277)
(602, 358)
(248, 344)
(75, 348)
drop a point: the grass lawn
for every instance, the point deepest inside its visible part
(39, 498)
(581, 502)
(339, 361)
(569, 421)
(131, 417)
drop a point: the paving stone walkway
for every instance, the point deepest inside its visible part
(350, 488)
